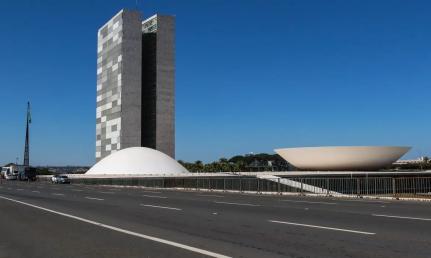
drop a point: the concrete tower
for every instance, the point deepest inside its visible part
(135, 84)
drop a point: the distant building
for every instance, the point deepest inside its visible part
(411, 161)
(136, 84)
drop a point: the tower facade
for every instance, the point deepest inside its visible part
(135, 84)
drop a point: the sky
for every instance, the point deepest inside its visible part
(251, 76)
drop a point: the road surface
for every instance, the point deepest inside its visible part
(44, 220)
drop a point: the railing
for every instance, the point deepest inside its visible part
(364, 186)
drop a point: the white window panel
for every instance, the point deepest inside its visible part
(114, 67)
(115, 25)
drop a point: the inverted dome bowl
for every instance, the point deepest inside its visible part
(342, 158)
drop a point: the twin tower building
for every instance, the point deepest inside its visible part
(135, 84)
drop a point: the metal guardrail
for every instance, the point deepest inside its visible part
(364, 186)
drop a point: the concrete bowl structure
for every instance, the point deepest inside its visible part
(342, 158)
(137, 161)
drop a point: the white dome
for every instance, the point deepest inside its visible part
(354, 158)
(137, 161)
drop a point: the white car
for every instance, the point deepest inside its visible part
(57, 179)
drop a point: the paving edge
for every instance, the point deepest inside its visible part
(345, 196)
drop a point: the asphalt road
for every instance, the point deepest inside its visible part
(45, 220)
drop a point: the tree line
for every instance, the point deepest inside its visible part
(240, 163)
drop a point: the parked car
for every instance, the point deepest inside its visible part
(57, 179)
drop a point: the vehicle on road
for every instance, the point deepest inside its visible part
(9, 173)
(59, 179)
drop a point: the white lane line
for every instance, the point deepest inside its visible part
(322, 227)
(155, 196)
(161, 207)
(211, 195)
(151, 192)
(19, 189)
(329, 203)
(365, 201)
(240, 204)
(93, 198)
(1, 186)
(57, 194)
(35, 191)
(155, 239)
(401, 217)
(76, 190)
(107, 192)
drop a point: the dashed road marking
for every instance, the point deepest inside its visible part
(107, 192)
(322, 227)
(240, 204)
(60, 194)
(155, 196)
(161, 207)
(211, 195)
(151, 192)
(401, 217)
(329, 203)
(93, 198)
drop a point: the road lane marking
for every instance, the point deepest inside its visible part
(155, 196)
(366, 201)
(161, 207)
(107, 192)
(240, 204)
(19, 189)
(76, 190)
(35, 191)
(329, 203)
(128, 232)
(57, 194)
(151, 192)
(401, 217)
(211, 195)
(93, 198)
(322, 227)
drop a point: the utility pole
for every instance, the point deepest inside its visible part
(27, 138)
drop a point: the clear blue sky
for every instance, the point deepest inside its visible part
(251, 75)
